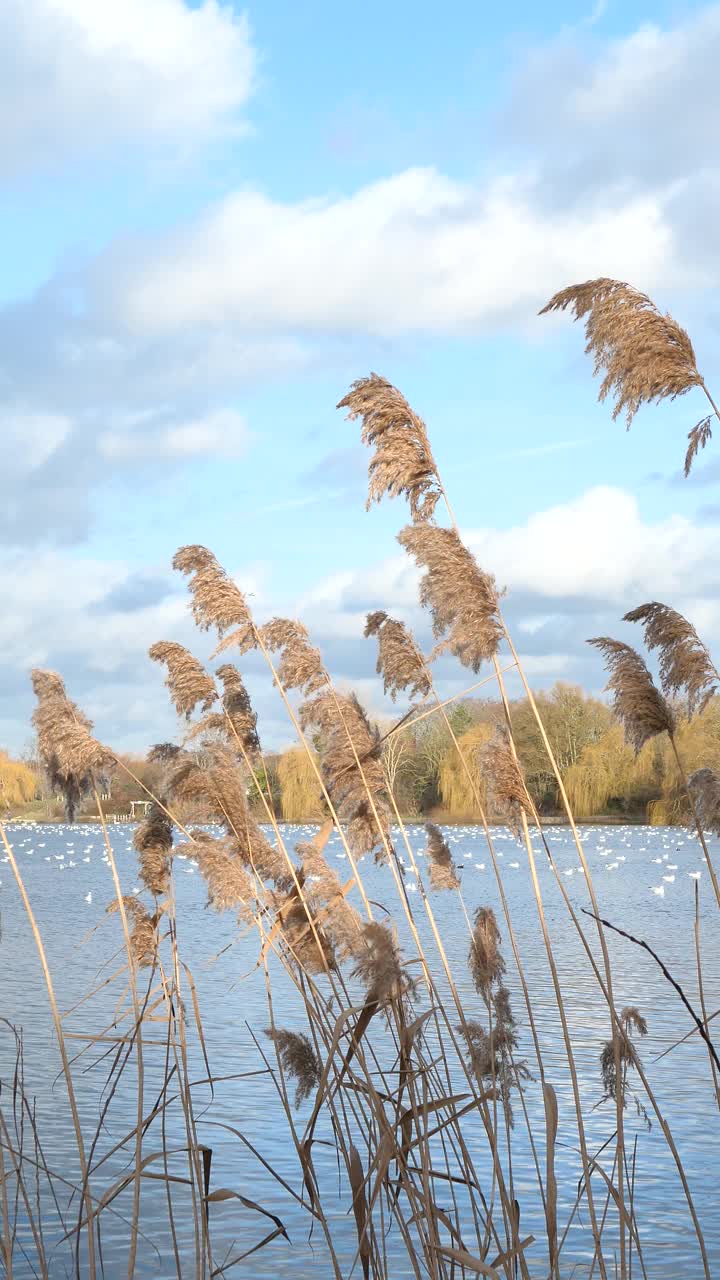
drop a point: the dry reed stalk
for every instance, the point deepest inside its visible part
(187, 679)
(400, 663)
(640, 708)
(462, 597)
(57, 1021)
(685, 662)
(215, 599)
(443, 873)
(153, 842)
(646, 356)
(402, 462)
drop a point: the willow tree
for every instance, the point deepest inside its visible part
(18, 783)
(459, 781)
(609, 770)
(698, 745)
(300, 793)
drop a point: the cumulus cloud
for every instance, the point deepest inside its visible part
(415, 253)
(222, 433)
(83, 74)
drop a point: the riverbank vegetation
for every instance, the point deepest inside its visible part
(423, 1097)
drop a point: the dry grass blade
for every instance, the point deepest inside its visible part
(638, 705)
(646, 356)
(153, 842)
(300, 665)
(69, 753)
(360, 1208)
(216, 600)
(551, 1128)
(403, 461)
(685, 662)
(443, 874)
(351, 768)
(704, 787)
(298, 1059)
(188, 681)
(462, 598)
(400, 662)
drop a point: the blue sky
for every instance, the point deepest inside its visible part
(215, 218)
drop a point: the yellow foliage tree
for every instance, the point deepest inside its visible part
(300, 794)
(609, 769)
(18, 783)
(454, 785)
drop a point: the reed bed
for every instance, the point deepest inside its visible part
(420, 1093)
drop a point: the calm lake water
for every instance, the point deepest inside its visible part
(645, 879)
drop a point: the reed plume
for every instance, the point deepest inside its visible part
(443, 874)
(143, 933)
(188, 681)
(506, 791)
(323, 891)
(309, 943)
(379, 965)
(153, 842)
(704, 787)
(300, 665)
(402, 462)
(462, 598)
(646, 356)
(638, 705)
(228, 884)
(399, 662)
(70, 754)
(215, 599)
(238, 708)
(492, 1051)
(298, 1059)
(685, 662)
(485, 961)
(631, 1021)
(346, 737)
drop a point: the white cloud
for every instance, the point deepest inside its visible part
(29, 438)
(222, 433)
(414, 253)
(87, 73)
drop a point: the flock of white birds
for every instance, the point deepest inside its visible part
(84, 843)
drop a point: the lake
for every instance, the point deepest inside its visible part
(646, 881)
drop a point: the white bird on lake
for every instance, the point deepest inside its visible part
(88, 897)
(670, 879)
(513, 864)
(659, 890)
(694, 875)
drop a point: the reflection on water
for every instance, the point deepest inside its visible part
(645, 879)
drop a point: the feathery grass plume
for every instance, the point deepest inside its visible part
(238, 708)
(442, 868)
(705, 790)
(309, 943)
(697, 439)
(646, 356)
(153, 842)
(187, 679)
(638, 705)
(685, 663)
(298, 1059)
(379, 965)
(462, 598)
(485, 961)
(400, 663)
(143, 932)
(228, 884)
(631, 1020)
(70, 754)
(344, 734)
(323, 891)
(507, 794)
(403, 462)
(300, 665)
(492, 1052)
(216, 600)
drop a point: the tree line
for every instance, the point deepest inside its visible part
(422, 760)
